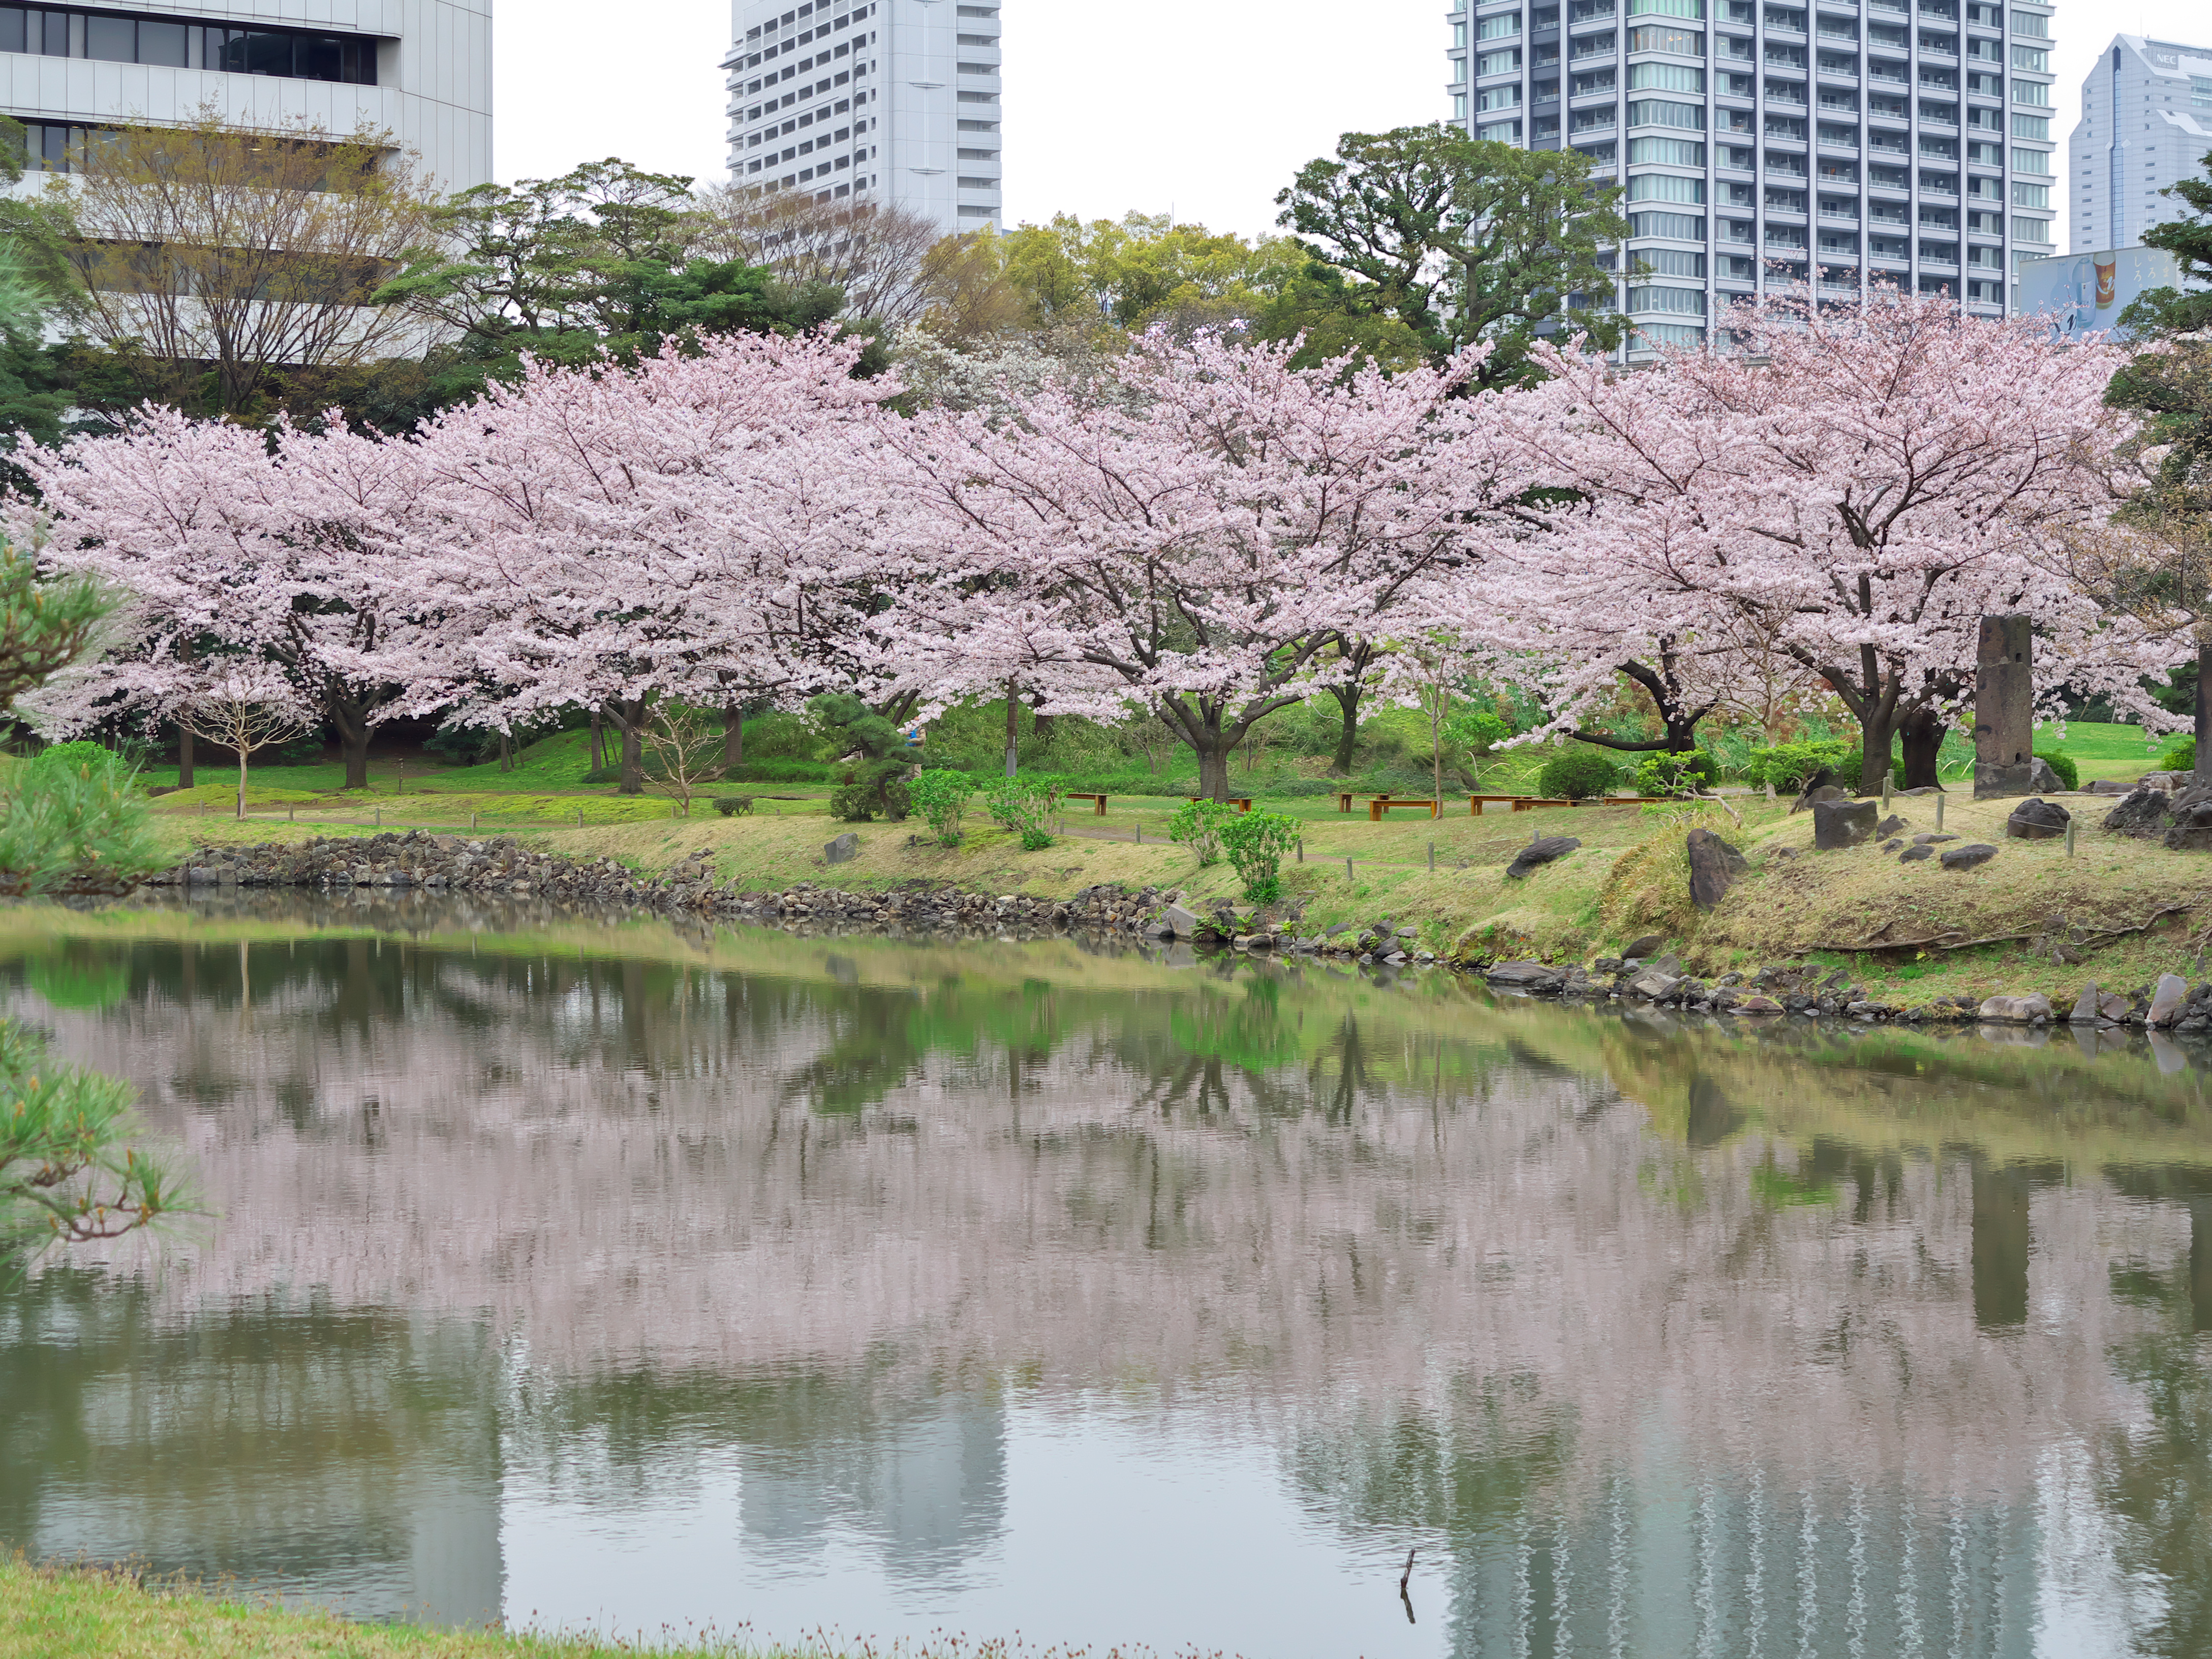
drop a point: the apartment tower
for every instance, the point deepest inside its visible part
(895, 101)
(420, 69)
(1764, 146)
(2145, 123)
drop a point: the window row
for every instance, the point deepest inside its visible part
(297, 54)
(829, 25)
(807, 148)
(827, 113)
(823, 60)
(820, 89)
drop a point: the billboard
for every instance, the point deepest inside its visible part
(2086, 293)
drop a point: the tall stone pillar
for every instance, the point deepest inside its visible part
(2004, 709)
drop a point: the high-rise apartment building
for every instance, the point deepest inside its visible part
(892, 100)
(2145, 123)
(1760, 144)
(420, 69)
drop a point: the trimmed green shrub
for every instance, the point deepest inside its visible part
(1578, 775)
(1200, 825)
(856, 803)
(941, 797)
(1028, 806)
(1787, 765)
(1256, 843)
(1676, 774)
(2062, 764)
(78, 753)
(2180, 755)
(734, 807)
(775, 771)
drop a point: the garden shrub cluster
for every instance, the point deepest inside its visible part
(1578, 775)
(1026, 806)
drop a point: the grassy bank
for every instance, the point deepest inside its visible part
(49, 1613)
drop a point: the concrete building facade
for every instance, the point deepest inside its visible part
(418, 69)
(895, 101)
(1760, 145)
(2146, 123)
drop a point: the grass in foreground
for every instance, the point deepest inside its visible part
(63, 1613)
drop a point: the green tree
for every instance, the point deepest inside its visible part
(34, 395)
(1458, 240)
(2167, 311)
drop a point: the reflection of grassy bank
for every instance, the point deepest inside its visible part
(62, 1615)
(1878, 1087)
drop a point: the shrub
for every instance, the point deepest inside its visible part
(1676, 774)
(1028, 806)
(1256, 843)
(1578, 775)
(855, 803)
(734, 807)
(73, 755)
(2062, 764)
(1198, 825)
(779, 736)
(770, 771)
(1787, 765)
(2180, 755)
(1300, 788)
(941, 797)
(81, 827)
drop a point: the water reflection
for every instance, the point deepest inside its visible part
(578, 1273)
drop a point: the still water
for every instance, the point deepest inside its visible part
(582, 1275)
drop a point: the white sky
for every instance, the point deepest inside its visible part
(1204, 106)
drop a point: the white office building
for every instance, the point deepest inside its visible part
(892, 100)
(420, 69)
(2145, 123)
(1838, 142)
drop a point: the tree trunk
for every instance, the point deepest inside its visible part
(1920, 735)
(733, 739)
(507, 752)
(629, 719)
(1013, 729)
(1213, 769)
(354, 745)
(598, 742)
(2203, 775)
(1877, 733)
(241, 783)
(1347, 739)
(184, 757)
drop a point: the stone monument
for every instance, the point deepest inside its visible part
(2004, 709)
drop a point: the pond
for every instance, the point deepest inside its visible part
(598, 1274)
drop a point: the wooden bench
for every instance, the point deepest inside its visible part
(1085, 794)
(1476, 802)
(1242, 803)
(1382, 804)
(1344, 799)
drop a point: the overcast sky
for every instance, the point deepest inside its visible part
(1204, 106)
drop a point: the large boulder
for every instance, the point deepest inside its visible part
(2016, 1010)
(1650, 946)
(2035, 819)
(1540, 851)
(1526, 976)
(1178, 923)
(1840, 823)
(2143, 813)
(843, 850)
(2030, 777)
(1714, 866)
(2192, 826)
(2110, 787)
(2168, 998)
(1970, 856)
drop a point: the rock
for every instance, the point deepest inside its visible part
(1652, 985)
(1931, 840)
(1526, 976)
(2192, 825)
(2031, 777)
(1816, 791)
(2167, 1000)
(2087, 1007)
(843, 850)
(1970, 856)
(2037, 820)
(2141, 812)
(2165, 782)
(1714, 866)
(1179, 922)
(2110, 787)
(1892, 845)
(1890, 826)
(2113, 1007)
(1914, 854)
(1756, 1004)
(2015, 1011)
(1840, 824)
(1540, 852)
(1643, 947)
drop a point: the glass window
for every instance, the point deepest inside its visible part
(1494, 29)
(1499, 62)
(1665, 187)
(56, 29)
(1666, 77)
(1668, 152)
(1694, 10)
(1688, 43)
(2036, 127)
(2200, 91)
(161, 43)
(1650, 113)
(2033, 59)
(1690, 301)
(12, 34)
(111, 39)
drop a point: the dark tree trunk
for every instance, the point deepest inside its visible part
(1213, 770)
(733, 738)
(507, 752)
(1877, 737)
(630, 721)
(1013, 728)
(2203, 775)
(1920, 736)
(599, 741)
(185, 756)
(1347, 737)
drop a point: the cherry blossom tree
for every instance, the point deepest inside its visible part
(1195, 543)
(1856, 485)
(243, 705)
